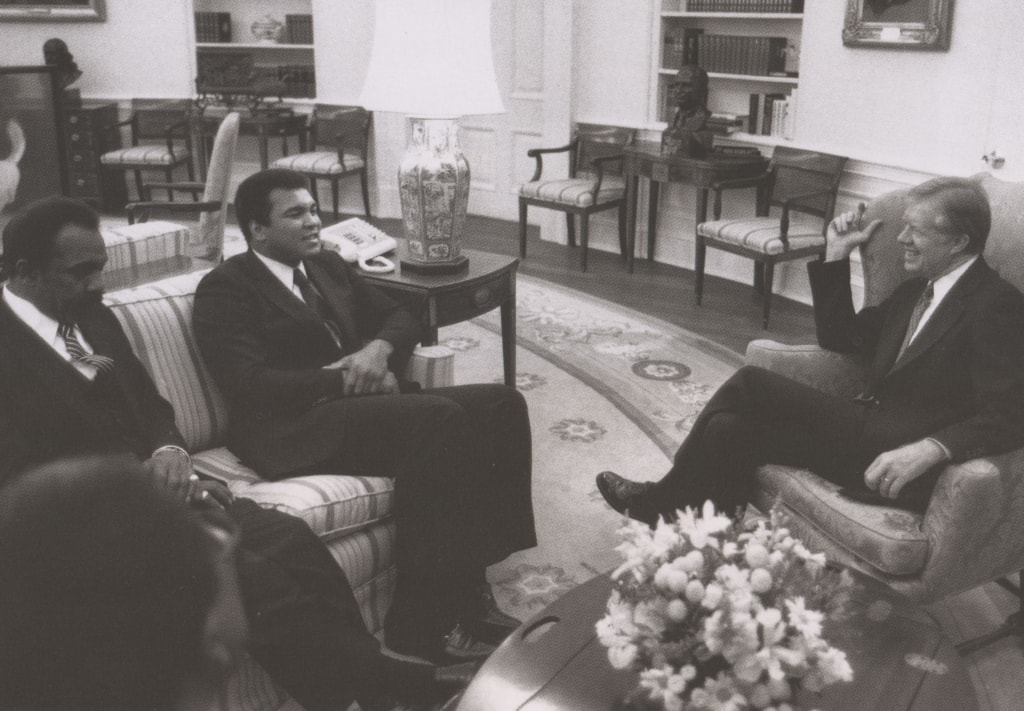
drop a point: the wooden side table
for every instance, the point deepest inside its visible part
(443, 299)
(644, 159)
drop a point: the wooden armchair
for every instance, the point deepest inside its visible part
(971, 531)
(145, 153)
(797, 181)
(345, 131)
(594, 183)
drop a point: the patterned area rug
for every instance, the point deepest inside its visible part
(607, 388)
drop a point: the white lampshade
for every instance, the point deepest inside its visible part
(432, 58)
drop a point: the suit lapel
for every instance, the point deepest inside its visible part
(947, 314)
(338, 301)
(271, 287)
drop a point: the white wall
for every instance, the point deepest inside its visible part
(141, 50)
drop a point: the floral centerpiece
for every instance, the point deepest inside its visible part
(719, 616)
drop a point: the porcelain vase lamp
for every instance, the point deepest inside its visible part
(432, 61)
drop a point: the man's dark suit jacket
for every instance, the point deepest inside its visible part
(266, 349)
(961, 380)
(45, 414)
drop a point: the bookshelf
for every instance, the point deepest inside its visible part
(230, 52)
(746, 46)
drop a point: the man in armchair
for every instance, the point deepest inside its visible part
(945, 354)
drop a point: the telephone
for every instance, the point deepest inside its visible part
(360, 242)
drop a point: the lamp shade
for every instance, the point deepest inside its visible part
(432, 58)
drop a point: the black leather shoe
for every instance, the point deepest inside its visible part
(456, 646)
(628, 497)
(484, 619)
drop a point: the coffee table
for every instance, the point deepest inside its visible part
(900, 658)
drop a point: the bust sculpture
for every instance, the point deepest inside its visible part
(687, 134)
(55, 52)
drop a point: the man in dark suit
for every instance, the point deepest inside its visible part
(307, 354)
(946, 376)
(70, 385)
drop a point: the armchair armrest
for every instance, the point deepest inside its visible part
(599, 163)
(836, 373)
(975, 508)
(538, 155)
(432, 366)
(193, 187)
(141, 209)
(789, 202)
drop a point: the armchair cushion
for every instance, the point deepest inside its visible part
(762, 234)
(155, 155)
(578, 192)
(320, 162)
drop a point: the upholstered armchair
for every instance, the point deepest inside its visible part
(971, 532)
(594, 184)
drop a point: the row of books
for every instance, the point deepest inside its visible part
(745, 5)
(729, 54)
(722, 124)
(213, 26)
(772, 114)
(299, 80)
(298, 29)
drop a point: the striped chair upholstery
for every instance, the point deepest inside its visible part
(144, 156)
(160, 140)
(143, 252)
(351, 514)
(579, 192)
(761, 234)
(321, 162)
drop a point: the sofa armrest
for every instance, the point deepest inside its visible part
(973, 524)
(828, 371)
(432, 366)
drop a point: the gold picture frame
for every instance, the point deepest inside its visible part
(57, 10)
(904, 24)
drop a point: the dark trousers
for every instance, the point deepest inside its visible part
(759, 417)
(461, 459)
(305, 626)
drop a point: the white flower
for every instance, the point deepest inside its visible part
(756, 556)
(677, 610)
(834, 666)
(759, 696)
(723, 694)
(692, 562)
(622, 657)
(651, 615)
(760, 580)
(695, 591)
(807, 622)
(712, 596)
(701, 530)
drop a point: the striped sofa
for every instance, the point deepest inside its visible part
(352, 515)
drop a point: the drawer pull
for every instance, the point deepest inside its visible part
(481, 296)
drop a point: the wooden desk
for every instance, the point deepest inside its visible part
(901, 660)
(644, 159)
(262, 123)
(443, 299)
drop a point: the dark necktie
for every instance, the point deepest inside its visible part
(102, 363)
(316, 302)
(923, 302)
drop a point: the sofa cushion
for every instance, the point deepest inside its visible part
(888, 539)
(332, 505)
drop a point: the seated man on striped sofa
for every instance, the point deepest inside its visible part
(70, 385)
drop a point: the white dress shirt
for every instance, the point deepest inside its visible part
(940, 287)
(284, 273)
(46, 328)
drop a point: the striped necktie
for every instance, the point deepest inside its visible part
(316, 302)
(923, 302)
(102, 363)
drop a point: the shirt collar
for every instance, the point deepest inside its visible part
(943, 284)
(35, 319)
(284, 273)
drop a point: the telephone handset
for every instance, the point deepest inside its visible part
(360, 242)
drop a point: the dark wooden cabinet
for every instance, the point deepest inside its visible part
(85, 140)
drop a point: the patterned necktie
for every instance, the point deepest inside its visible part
(923, 302)
(316, 302)
(102, 363)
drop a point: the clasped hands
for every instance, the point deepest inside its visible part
(366, 371)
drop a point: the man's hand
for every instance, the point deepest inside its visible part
(893, 470)
(172, 470)
(366, 371)
(846, 232)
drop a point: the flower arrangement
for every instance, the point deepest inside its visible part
(717, 616)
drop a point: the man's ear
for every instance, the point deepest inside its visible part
(960, 244)
(23, 270)
(257, 230)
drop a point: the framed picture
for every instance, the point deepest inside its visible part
(52, 10)
(907, 24)
(31, 139)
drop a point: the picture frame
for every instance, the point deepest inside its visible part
(32, 163)
(55, 10)
(902, 24)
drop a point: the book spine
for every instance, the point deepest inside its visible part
(753, 111)
(777, 56)
(223, 26)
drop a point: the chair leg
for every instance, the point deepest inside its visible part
(622, 230)
(364, 184)
(138, 186)
(334, 197)
(584, 240)
(169, 174)
(570, 224)
(1014, 624)
(769, 277)
(699, 257)
(759, 277)
(522, 229)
